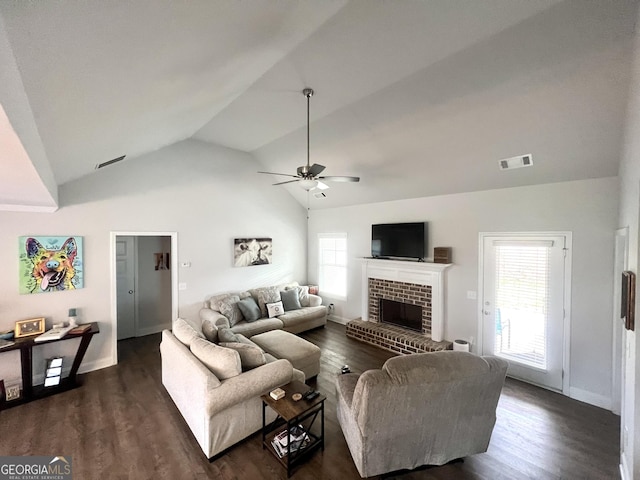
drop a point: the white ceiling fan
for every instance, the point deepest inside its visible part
(308, 176)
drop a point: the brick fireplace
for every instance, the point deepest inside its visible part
(414, 283)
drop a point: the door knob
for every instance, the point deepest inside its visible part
(130, 292)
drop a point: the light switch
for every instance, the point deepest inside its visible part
(182, 286)
(471, 295)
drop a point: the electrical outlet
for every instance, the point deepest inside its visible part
(182, 286)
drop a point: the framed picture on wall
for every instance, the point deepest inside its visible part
(628, 301)
(252, 251)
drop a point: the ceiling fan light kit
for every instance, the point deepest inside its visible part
(308, 176)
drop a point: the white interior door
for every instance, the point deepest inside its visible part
(523, 305)
(125, 271)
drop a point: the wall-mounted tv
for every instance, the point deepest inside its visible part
(402, 240)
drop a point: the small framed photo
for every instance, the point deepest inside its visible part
(25, 328)
(12, 392)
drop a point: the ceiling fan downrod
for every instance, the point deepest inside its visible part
(308, 92)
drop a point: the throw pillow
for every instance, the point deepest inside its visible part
(229, 308)
(275, 309)
(214, 302)
(250, 356)
(226, 335)
(267, 295)
(304, 295)
(249, 308)
(223, 362)
(290, 299)
(184, 332)
(210, 331)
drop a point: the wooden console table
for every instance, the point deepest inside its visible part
(32, 392)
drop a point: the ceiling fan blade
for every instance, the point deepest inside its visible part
(283, 174)
(316, 169)
(340, 179)
(287, 181)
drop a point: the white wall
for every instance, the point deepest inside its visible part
(586, 208)
(629, 212)
(207, 194)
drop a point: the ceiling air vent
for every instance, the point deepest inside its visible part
(110, 162)
(516, 162)
(319, 195)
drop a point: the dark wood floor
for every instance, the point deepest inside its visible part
(122, 425)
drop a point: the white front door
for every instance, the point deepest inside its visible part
(524, 281)
(125, 288)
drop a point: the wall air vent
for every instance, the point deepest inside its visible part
(516, 162)
(110, 162)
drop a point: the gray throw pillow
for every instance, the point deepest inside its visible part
(249, 308)
(226, 335)
(290, 299)
(250, 356)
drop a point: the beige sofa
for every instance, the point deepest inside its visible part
(224, 310)
(420, 409)
(224, 407)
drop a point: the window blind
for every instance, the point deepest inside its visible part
(522, 301)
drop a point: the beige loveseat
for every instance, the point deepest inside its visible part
(226, 310)
(224, 407)
(420, 409)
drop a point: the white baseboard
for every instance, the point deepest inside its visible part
(153, 329)
(95, 365)
(337, 319)
(590, 398)
(624, 468)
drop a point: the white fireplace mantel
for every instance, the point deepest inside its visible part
(420, 273)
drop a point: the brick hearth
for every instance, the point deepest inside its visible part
(394, 339)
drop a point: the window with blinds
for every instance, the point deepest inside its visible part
(332, 264)
(522, 301)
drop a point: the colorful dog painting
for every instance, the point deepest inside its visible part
(47, 266)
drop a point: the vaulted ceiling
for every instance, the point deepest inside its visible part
(417, 97)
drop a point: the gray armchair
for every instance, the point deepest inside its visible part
(420, 409)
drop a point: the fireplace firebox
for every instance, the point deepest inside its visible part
(402, 314)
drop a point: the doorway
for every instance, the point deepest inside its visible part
(525, 284)
(144, 284)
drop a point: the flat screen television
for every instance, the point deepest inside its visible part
(402, 240)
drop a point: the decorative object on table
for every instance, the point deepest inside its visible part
(252, 251)
(50, 264)
(296, 397)
(277, 394)
(53, 373)
(314, 289)
(345, 369)
(442, 255)
(80, 329)
(12, 392)
(628, 304)
(72, 317)
(460, 346)
(25, 328)
(7, 334)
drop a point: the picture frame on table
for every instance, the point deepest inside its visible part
(628, 300)
(26, 328)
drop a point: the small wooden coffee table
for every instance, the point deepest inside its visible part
(292, 414)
